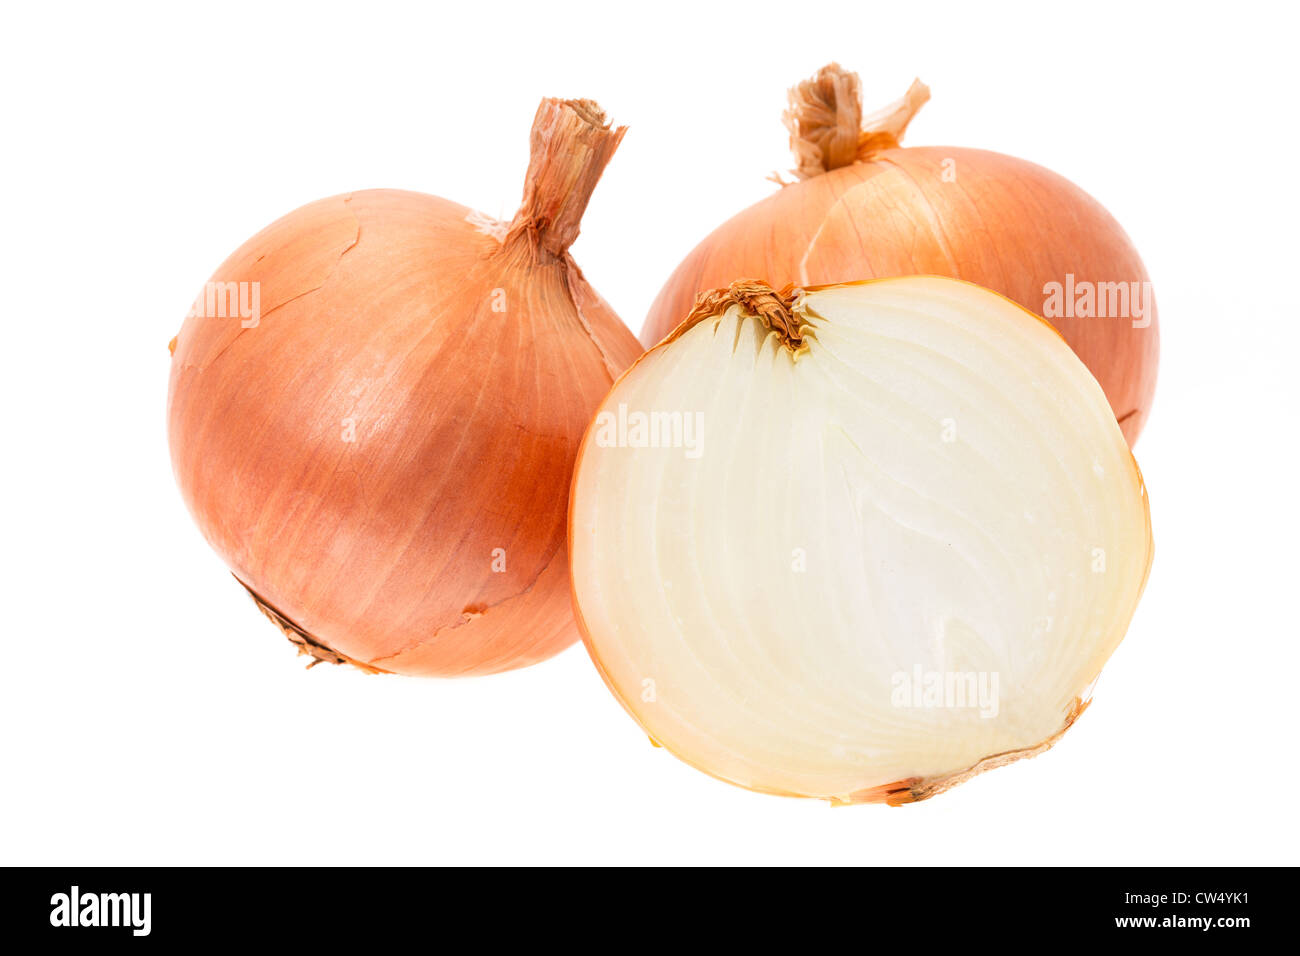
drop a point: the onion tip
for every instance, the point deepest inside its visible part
(827, 128)
(571, 144)
(778, 311)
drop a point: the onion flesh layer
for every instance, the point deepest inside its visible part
(929, 483)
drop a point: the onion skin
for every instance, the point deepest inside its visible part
(383, 459)
(1000, 222)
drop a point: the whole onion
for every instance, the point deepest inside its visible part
(864, 207)
(375, 406)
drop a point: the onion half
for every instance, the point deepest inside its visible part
(864, 207)
(804, 525)
(376, 427)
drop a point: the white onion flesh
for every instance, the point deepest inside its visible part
(933, 485)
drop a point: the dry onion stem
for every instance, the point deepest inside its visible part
(382, 453)
(904, 536)
(864, 207)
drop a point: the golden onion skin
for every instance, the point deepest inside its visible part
(384, 458)
(994, 220)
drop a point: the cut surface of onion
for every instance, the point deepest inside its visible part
(857, 542)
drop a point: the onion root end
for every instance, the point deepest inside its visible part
(307, 645)
(916, 789)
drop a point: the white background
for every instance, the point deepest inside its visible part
(148, 714)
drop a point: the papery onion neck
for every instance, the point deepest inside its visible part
(777, 311)
(828, 130)
(571, 143)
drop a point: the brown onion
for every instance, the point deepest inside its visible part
(866, 208)
(375, 407)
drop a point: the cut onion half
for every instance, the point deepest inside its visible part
(858, 542)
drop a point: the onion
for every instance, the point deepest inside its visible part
(375, 427)
(858, 542)
(865, 208)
